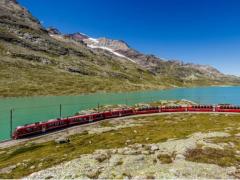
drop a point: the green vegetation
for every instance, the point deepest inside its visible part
(32, 71)
(222, 157)
(34, 157)
(29, 78)
(106, 124)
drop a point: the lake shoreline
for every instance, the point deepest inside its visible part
(34, 109)
(117, 92)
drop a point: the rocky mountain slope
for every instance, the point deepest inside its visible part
(37, 61)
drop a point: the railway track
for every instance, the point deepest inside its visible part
(81, 128)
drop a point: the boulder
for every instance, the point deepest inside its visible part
(131, 152)
(102, 157)
(154, 147)
(145, 152)
(93, 174)
(62, 140)
(128, 142)
(7, 170)
(180, 157)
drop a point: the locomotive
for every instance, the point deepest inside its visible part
(55, 124)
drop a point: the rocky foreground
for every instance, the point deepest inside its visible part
(137, 161)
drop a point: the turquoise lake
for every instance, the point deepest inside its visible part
(33, 109)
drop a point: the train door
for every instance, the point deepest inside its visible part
(44, 128)
(90, 118)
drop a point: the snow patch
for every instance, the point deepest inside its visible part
(56, 36)
(93, 40)
(112, 51)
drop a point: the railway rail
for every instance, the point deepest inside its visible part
(57, 124)
(52, 135)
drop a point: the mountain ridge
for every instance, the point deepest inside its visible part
(120, 46)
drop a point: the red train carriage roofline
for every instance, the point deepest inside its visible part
(41, 127)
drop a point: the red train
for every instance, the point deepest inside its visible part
(200, 108)
(42, 127)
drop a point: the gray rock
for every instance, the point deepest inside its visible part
(62, 140)
(7, 170)
(102, 157)
(128, 141)
(154, 147)
(139, 158)
(145, 152)
(180, 157)
(93, 174)
(131, 152)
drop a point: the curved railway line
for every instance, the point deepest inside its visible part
(142, 112)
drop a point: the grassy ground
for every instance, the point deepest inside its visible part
(45, 66)
(22, 75)
(26, 79)
(33, 157)
(222, 157)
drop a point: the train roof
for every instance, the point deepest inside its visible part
(28, 125)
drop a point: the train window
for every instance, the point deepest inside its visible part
(29, 129)
(61, 122)
(99, 116)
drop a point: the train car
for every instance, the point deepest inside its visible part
(96, 117)
(127, 112)
(41, 127)
(54, 124)
(26, 130)
(147, 110)
(173, 109)
(201, 108)
(118, 113)
(228, 108)
(76, 120)
(112, 114)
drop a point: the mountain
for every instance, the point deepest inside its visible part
(39, 61)
(150, 62)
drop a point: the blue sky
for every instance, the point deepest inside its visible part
(198, 31)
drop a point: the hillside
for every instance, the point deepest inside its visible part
(37, 61)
